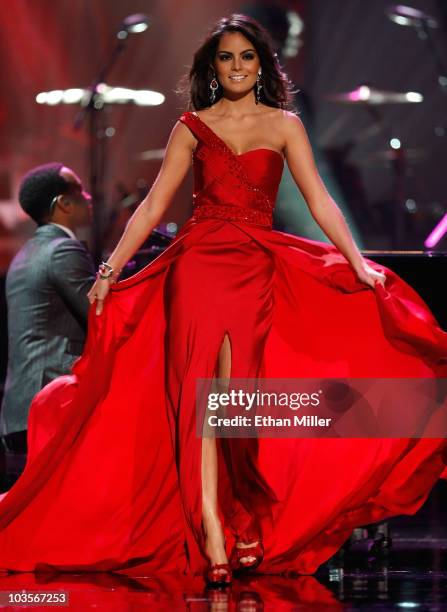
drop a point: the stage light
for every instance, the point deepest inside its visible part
(395, 143)
(364, 92)
(411, 205)
(104, 95)
(139, 27)
(146, 97)
(293, 41)
(115, 95)
(437, 233)
(414, 96)
(73, 95)
(55, 97)
(372, 95)
(123, 95)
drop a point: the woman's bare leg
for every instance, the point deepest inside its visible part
(215, 542)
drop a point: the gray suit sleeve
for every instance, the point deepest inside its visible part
(72, 273)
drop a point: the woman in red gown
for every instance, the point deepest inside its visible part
(116, 477)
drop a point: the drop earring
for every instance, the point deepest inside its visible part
(214, 86)
(258, 86)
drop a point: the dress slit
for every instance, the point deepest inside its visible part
(220, 374)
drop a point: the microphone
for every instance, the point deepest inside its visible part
(409, 16)
(133, 24)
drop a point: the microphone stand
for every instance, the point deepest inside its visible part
(399, 169)
(92, 111)
(424, 33)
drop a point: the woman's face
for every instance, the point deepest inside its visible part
(236, 64)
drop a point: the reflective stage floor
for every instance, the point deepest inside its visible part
(412, 576)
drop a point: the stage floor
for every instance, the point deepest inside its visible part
(412, 576)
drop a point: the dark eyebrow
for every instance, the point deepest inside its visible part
(230, 53)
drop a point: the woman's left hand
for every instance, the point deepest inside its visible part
(368, 275)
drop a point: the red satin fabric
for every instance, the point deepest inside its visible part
(112, 480)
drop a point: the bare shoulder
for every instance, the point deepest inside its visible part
(290, 123)
(293, 132)
(181, 136)
(284, 124)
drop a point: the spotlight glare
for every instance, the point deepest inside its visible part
(72, 96)
(400, 20)
(105, 94)
(411, 205)
(139, 27)
(54, 97)
(437, 233)
(117, 95)
(414, 96)
(145, 97)
(364, 92)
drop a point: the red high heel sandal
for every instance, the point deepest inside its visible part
(239, 553)
(218, 575)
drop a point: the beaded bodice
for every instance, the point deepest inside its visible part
(240, 188)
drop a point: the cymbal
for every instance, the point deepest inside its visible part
(388, 155)
(370, 95)
(151, 154)
(105, 94)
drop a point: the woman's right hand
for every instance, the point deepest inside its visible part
(98, 293)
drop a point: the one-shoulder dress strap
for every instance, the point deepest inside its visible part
(197, 127)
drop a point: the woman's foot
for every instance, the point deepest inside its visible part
(218, 575)
(219, 572)
(246, 556)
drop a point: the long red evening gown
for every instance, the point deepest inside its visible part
(112, 480)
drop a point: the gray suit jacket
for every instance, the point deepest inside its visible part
(46, 293)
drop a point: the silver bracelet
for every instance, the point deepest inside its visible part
(105, 271)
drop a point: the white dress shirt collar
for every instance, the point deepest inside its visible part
(67, 230)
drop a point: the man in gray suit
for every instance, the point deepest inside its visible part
(46, 291)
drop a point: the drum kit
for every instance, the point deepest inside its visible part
(396, 155)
